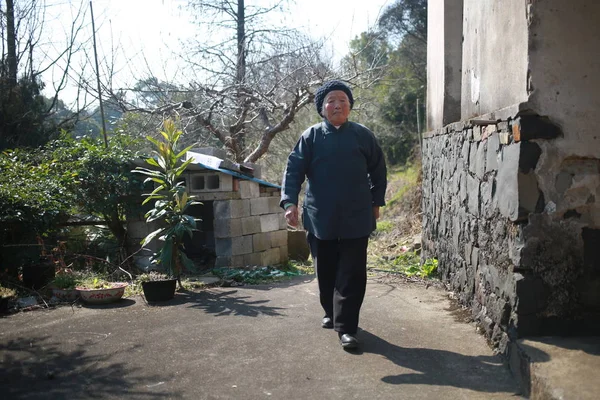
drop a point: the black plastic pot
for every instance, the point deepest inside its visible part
(159, 290)
(4, 305)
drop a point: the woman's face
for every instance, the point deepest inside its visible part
(336, 107)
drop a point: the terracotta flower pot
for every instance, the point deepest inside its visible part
(102, 296)
(159, 290)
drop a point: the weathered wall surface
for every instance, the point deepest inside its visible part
(519, 267)
(466, 177)
(494, 59)
(510, 195)
(565, 61)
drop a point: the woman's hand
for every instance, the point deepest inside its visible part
(376, 212)
(291, 215)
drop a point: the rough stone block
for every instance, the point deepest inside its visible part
(259, 206)
(473, 195)
(282, 220)
(250, 225)
(274, 205)
(504, 137)
(226, 209)
(493, 144)
(226, 228)
(488, 203)
(480, 159)
(473, 158)
(507, 182)
(269, 222)
(229, 262)
(233, 246)
(284, 254)
(464, 154)
(253, 259)
(271, 257)
(249, 189)
(477, 133)
(261, 241)
(278, 238)
(475, 258)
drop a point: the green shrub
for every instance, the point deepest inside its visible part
(65, 280)
(385, 226)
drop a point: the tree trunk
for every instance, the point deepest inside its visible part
(11, 44)
(240, 77)
(115, 225)
(241, 43)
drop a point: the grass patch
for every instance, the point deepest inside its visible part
(408, 263)
(401, 180)
(384, 226)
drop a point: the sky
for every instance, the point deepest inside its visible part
(145, 32)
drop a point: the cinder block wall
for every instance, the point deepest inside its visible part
(251, 231)
(521, 265)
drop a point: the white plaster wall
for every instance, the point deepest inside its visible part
(435, 64)
(494, 68)
(565, 64)
(565, 75)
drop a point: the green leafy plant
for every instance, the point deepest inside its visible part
(65, 280)
(151, 276)
(171, 201)
(429, 268)
(93, 282)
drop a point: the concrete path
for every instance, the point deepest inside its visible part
(253, 342)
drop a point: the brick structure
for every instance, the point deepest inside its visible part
(242, 223)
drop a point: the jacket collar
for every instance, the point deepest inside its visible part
(329, 128)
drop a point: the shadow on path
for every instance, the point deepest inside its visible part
(36, 368)
(231, 302)
(441, 367)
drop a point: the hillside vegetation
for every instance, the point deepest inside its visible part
(395, 245)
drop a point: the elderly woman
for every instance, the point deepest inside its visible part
(346, 174)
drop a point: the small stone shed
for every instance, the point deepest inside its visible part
(242, 223)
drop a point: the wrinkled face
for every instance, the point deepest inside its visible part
(336, 107)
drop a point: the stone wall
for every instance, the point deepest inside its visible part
(524, 266)
(251, 231)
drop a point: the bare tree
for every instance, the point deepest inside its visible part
(249, 78)
(27, 117)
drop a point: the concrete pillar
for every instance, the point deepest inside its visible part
(444, 62)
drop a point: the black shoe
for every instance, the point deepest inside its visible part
(348, 341)
(327, 323)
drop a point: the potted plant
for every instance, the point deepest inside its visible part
(157, 286)
(170, 204)
(6, 295)
(63, 285)
(97, 290)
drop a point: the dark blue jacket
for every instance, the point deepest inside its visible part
(346, 175)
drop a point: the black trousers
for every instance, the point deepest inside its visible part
(341, 267)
